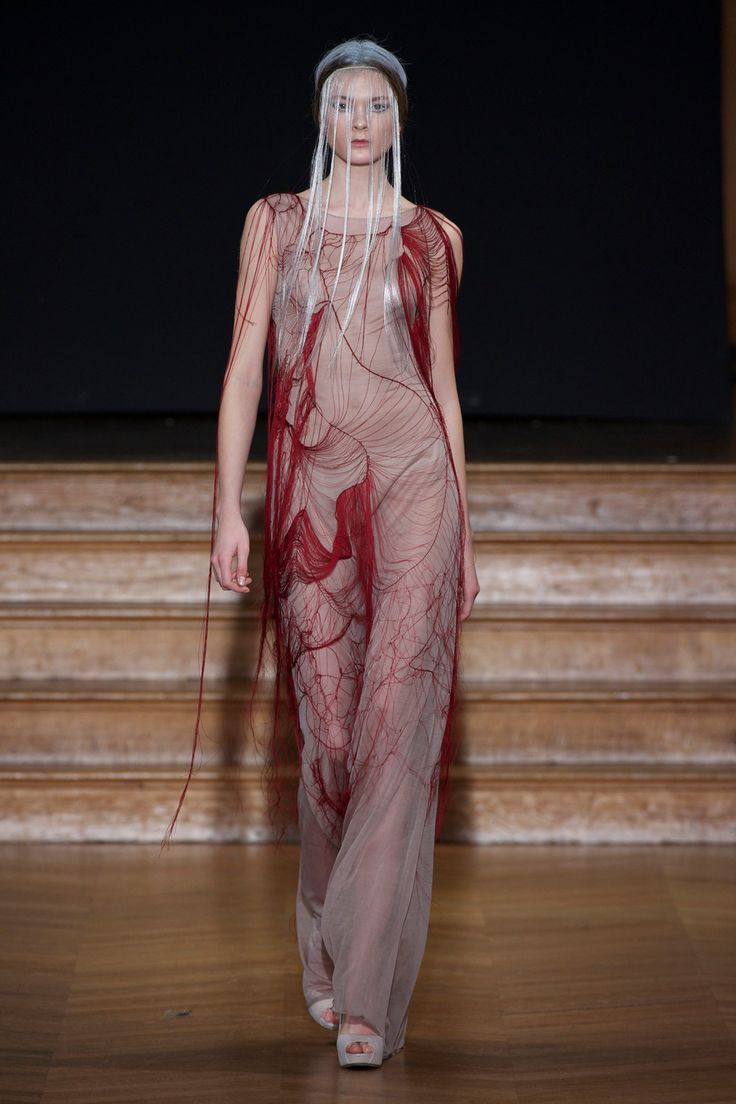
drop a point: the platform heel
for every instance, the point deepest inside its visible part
(365, 1059)
(316, 1010)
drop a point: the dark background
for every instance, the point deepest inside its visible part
(576, 145)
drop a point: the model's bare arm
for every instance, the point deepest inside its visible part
(241, 393)
(445, 390)
(443, 367)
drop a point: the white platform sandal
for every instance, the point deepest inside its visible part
(360, 1058)
(316, 1009)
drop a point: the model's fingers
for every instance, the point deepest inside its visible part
(223, 571)
(216, 569)
(242, 567)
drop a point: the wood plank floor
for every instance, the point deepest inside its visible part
(552, 975)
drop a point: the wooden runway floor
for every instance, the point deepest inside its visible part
(552, 975)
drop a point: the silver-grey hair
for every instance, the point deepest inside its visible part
(353, 54)
(360, 51)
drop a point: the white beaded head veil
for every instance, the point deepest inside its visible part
(360, 90)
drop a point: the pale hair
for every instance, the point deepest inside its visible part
(361, 55)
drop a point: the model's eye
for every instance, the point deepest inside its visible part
(343, 105)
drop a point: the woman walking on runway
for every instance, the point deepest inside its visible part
(368, 561)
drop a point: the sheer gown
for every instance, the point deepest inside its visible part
(363, 564)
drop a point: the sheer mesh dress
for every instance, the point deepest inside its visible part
(363, 567)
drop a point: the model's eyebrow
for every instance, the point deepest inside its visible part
(346, 96)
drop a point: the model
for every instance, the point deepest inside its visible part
(368, 563)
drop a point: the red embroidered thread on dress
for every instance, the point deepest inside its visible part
(363, 526)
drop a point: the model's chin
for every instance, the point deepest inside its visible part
(361, 155)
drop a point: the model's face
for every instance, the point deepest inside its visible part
(368, 124)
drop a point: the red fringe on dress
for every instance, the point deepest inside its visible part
(363, 538)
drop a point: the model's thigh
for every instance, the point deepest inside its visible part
(325, 650)
(405, 696)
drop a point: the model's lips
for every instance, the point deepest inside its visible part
(360, 141)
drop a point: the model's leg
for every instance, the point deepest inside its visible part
(325, 687)
(412, 941)
(316, 858)
(375, 915)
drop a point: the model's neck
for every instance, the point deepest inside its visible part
(360, 191)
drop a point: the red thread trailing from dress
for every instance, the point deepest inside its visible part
(363, 540)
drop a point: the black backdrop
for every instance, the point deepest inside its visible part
(577, 145)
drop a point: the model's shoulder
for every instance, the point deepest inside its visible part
(281, 201)
(273, 203)
(450, 227)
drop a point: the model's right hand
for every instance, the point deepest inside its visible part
(232, 546)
